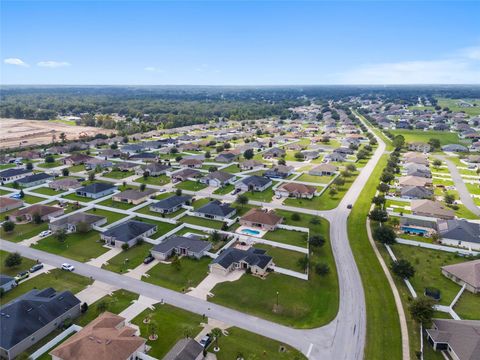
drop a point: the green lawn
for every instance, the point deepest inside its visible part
(284, 258)
(190, 274)
(154, 180)
(80, 247)
(172, 324)
(213, 224)
(50, 165)
(25, 265)
(23, 231)
(198, 203)
(58, 279)
(290, 237)
(146, 210)
(302, 304)
(315, 179)
(117, 174)
(445, 137)
(30, 199)
(129, 259)
(6, 166)
(232, 169)
(116, 204)
(468, 306)
(76, 168)
(225, 190)
(4, 192)
(46, 191)
(452, 104)
(254, 346)
(75, 197)
(190, 185)
(263, 196)
(110, 215)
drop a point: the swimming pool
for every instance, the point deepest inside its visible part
(412, 230)
(250, 232)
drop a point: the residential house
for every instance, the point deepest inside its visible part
(152, 169)
(7, 283)
(110, 153)
(15, 174)
(431, 208)
(170, 204)
(98, 163)
(125, 166)
(30, 317)
(144, 156)
(414, 181)
(419, 170)
(251, 164)
(186, 174)
(459, 338)
(274, 153)
(215, 210)
(335, 156)
(279, 172)
(310, 154)
(182, 246)
(128, 232)
(266, 220)
(105, 338)
(96, 190)
(226, 157)
(185, 349)
(454, 148)
(295, 190)
(192, 163)
(44, 211)
(465, 273)
(77, 159)
(134, 196)
(232, 259)
(323, 170)
(218, 178)
(70, 222)
(64, 184)
(415, 192)
(253, 183)
(34, 180)
(461, 233)
(419, 146)
(7, 204)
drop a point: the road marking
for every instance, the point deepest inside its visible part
(309, 350)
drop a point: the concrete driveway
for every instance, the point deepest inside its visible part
(202, 291)
(95, 292)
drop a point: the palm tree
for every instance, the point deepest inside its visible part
(216, 333)
(152, 330)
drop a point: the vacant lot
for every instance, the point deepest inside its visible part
(445, 137)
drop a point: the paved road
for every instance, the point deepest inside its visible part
(343, 338)
(465, 195)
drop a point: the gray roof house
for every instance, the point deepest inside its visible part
(274, 153)
(232, 259)
(170, 204)
(279, 171)
(70, 222)
(128, 233)
(254, 182)
(34, 180)
(465, 273)
(14, 174)
(185, 349)
(225, 157)
(454, 148)
(181, 246)
(459, 233)
(96, 190)
(459, 338)
(153, 169)
(7, 283)
(218, 178)
(32, 316)
(415, 192)
(215, 210)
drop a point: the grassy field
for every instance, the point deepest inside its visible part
(213, 224)
(110, 215)
(46, 191)
(23, 231)
(232, 169)
(302, 304)
(25, 265)
(50, 165)
(224, 190)
(80, 247)
(263, 196)
(190, 185)
(198, 203)
(129, 259)
(314, 179)
(284, 258)
(75, 197)
(154, 180)
(190, 274)
(117, 174)
(30, 199)
(290, 237)
(58, 279)
(116, 204)
(452, 104)
(445, 137)
(383, 328)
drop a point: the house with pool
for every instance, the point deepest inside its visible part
(259, 219)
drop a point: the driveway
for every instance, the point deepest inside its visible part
(202, 291)
(95, 292)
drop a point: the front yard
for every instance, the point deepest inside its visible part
(128, 259)
(25, 265)
(154, 180)
(23, 231)
(110, 215)
(190, 185)
(116, 204)
(46, 191)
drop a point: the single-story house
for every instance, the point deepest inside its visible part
(310, 154)
(185, 349)
(105, 338)
(127, 233)
(274, 153)
(96, 190)
(263, 219)
(416, 192)
(186, 174)
(225, 157)
(414, 181)
(30, 317)
(458, 232)
(64, 184)
(191, 163)
(323, 170)
(70, 222)
(215, 210)
(296, 190)
(253, 183)
(335, 156)
(419, 146)
(98, 163)
(134, 197)
(7, 204)
(251, 164)
(77, 159)
(170, 204)
(459, 338)
(26, 214)
(237, 259)
(454, 148)
(431, 208)
(144, 156)
(181, 246)
(279, 172)
(7, 283)
(14, 174)
(218, 178)
(152, 169)
(465, 273)
(126, 166)
(110, 153)
(34, 180)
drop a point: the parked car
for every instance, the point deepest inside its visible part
(16, 196)
(205, 341)
(36, 267)
(148, 259)
(22, 275)
(68, 267)
(236, 191)
(349, 206)
(45, 233)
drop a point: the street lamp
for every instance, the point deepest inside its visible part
(277, 300)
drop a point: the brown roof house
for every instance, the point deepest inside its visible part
(7, 204)
(263, 219)
(105, 338)
(431, 208)
(323, 170)
(191, 163)
(414, 181)
(27, 214)
(134, 197)
(296, 190)
(64, 184)
(466, 273)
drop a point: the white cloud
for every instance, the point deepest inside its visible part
(153, 69)
(460, 68)
(53, 64)
(15, 61)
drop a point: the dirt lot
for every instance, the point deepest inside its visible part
(15, 133)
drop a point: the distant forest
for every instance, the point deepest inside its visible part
(174, 106)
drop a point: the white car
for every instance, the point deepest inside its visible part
(45, 233)
(68, 267)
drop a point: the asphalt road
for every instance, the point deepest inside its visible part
(343, 338)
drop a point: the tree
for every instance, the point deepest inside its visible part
(403, 269)
(216, 334)
(178, 192)
(248, 154)
(387, 177)
(333, 191)
(36, 218)
(143, 187)
(91, 176)
(212, 169)
(295, 217)
(449, 199)
(384, 234)
(49, 159)
(282, 162)
(208, 155)
(322, 269)
(63, 137)
(317, 240)
(303, 262)
(434, 143)
(220, 148)
(314, 220)
(65, 172)
(398, 141)
(215, 237)
(351, 167)
(299, 156)
(422, 310)
(29, 166)
(125, 246)
(8, 226)
(23, 356)
(339, 181)
(241, 199)
(84, 308)
(102, 306)
(22, 194)
(60, 235)
(437, 163)
(378, 200)
(13, 260)
(346, 173)
(382, 187)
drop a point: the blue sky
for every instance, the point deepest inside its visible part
(239, 43)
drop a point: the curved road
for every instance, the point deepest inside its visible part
(343, 338)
